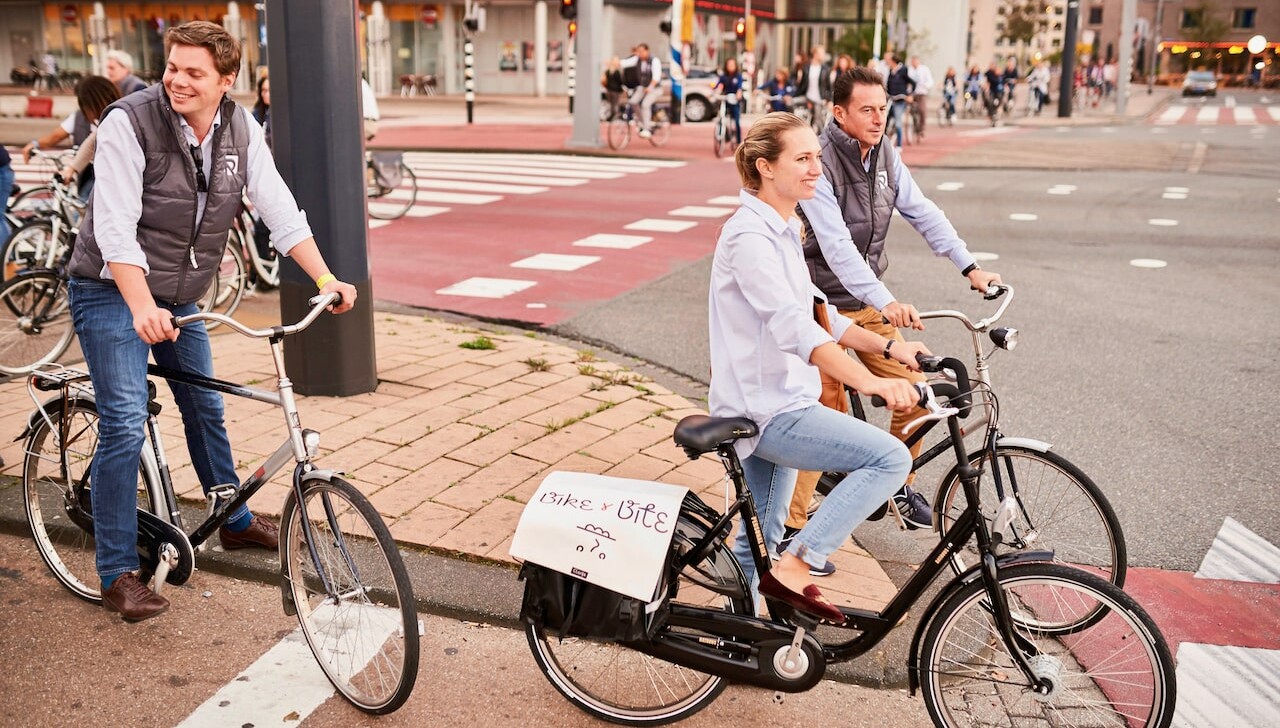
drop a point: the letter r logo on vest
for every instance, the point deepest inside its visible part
(233, 164)
(882, 179)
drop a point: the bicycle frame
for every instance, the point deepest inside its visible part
(873, 626)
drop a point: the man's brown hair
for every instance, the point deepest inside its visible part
(211, 37)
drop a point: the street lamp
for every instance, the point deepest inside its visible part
(1257, 44)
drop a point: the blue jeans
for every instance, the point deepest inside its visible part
(117, 361)
(898, 110)
(6, 185)
(821, 439)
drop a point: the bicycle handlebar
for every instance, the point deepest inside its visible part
(960, 396)
(318, 303)
(997, 290)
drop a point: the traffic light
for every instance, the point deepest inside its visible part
(740, 28)
(573, 28)
(568, 9)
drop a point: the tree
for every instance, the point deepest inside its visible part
(1204, 24)
(1023, 21)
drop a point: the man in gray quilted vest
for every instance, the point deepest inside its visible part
(172, 162)
(846, 224)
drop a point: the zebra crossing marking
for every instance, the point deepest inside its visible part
(1238, 554)
(612, 240)
(659, 225)
(554, 261)
(701, 211)
(486, 287)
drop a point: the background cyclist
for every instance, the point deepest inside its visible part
(729, 85)
(641, 73)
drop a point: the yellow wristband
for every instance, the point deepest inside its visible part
(324, 280)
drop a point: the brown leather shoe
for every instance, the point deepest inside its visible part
(132, 599)
(261, 533)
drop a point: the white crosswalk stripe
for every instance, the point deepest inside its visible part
(1216, 115)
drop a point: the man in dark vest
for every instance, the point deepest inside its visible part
(863, 182)
(173, 162)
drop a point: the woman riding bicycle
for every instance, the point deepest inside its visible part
(729, 85)
(766, 354)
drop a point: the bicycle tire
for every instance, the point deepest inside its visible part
(27, 247)
(266, 269)
(1067, 510)
(1117, 671)
(387, 202)
(39, 200)
(65, 546)
(366, 637)
(660, 129)
(35, 321)
(619, 133)
(229, 282)
(581, 669)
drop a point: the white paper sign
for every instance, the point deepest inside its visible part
(611, 532)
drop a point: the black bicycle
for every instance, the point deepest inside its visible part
(1060, 509)
(1014, 640)
(341, 572)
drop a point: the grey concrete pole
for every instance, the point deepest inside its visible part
(1124, 72)
(317, 125)
(586, 108)
(1069, 40)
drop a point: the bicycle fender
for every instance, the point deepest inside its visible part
(970, 574)
(50, 407)
(319, 474)
(1027, 442)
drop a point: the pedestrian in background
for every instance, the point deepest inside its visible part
(120, 70)
(779, 90)
(262, 107)
(900, 87)
(93, 95)
(611, 82)
(922, 77)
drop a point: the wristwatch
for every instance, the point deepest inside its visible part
(972, 267)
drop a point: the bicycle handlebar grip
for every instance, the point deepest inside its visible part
(964, 400)
(878, 401)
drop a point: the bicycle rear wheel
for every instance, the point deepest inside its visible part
(1115, 672)
(364, 629)
(719, 135)
(619, 133)
(58, 501)
(228, 286)
(1059, 509)
(389, 201)
(35, 321)
(620, 685)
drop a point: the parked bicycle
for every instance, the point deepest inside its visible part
(391, 185)
(725, 131)
(1013, 640)
(342, 575)
(1059, 508)
(626, 123)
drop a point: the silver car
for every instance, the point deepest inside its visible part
(1200, 83)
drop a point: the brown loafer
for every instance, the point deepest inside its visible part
(261, 534)
(810, 602)
(132, 599)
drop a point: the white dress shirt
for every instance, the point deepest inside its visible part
(117, 195)
(923, 79)
(844, 259)
(762, 328)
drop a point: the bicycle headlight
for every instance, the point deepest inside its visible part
(311, 439)
(1005, 337)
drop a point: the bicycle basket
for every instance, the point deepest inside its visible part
(387, 167)
(569, 607)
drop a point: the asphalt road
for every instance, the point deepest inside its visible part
(1154, 381)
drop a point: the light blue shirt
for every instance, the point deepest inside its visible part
(826, 219)
(761, 319)
(117, 195)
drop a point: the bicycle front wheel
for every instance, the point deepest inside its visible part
(353, 598)
(1059, 509)
(620, 685)
(1118, 671)
(58, 499)
(35, 321)
(27, 247)
(619, 133)
(660, 129)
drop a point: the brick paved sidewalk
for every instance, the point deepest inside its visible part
(465, 423)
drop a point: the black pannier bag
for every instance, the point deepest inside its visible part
(568, 607)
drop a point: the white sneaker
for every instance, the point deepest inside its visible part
(645, 133)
